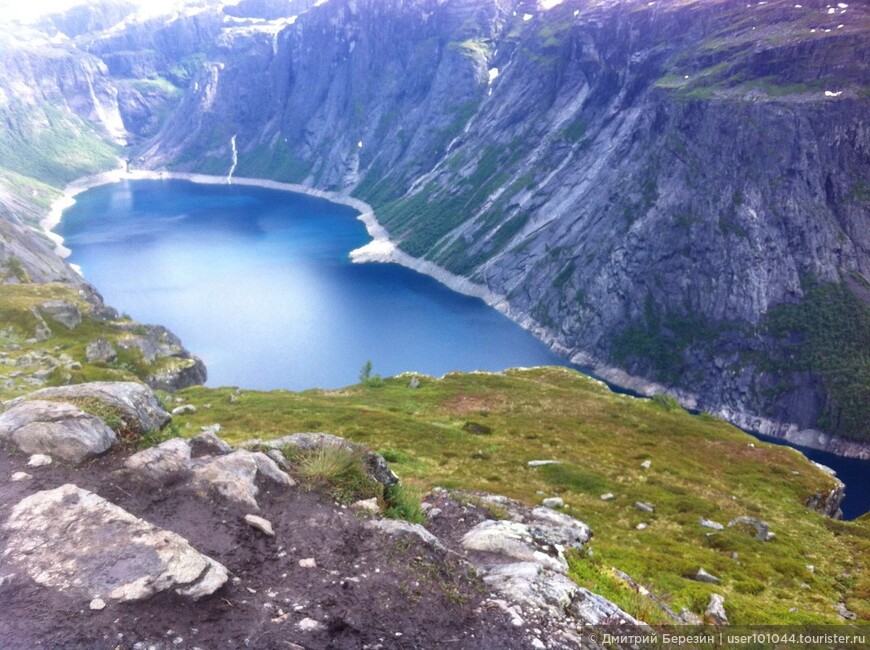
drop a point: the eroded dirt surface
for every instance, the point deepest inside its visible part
(368, 590)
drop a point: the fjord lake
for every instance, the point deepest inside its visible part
(258, 283)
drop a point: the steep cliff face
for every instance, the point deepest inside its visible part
(675, 193)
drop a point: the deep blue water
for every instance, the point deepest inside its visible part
(258, 284)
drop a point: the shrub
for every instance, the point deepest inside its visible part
(404, 503)
(340, 470)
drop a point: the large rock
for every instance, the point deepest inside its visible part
(134, 403)
(63, 312)
(515, 541)
(59, 430)
(100, 350)
(75, 541)
(232, 476)
(376, 465)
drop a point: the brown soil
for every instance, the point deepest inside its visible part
(368, 590)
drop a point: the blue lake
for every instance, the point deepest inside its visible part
(258, 283)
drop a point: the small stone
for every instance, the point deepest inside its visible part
(366, 505)
(538, 644)
(607, 497)
(690, 618)
(309, 625)
(641, 526)
(541, 463)
(97, 604)
(735, 556)
(263, 525)
(184, 410)
(811, 568)
(433, 513)
(553, 503)
(644, 507)
(39, 460)
(646, 464)
(709, 523)
(308, 563)
(414, 383)
(704, 576)
(20, 476)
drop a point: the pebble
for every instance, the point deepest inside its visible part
(308, 563)
(20, 476)
(553, 503)
(646, 464)
(263, 525)
(97, 604)
(641, 526)
(39, 460)
(607, 497)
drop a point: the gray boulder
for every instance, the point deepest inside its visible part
(762, 529)
(207, 443)
(397, 527)
(63, 312)
(709, 523)
(59, 430)
(100, 350)
(75, 541)
(704, 576)
(135, 403)
(514, 541)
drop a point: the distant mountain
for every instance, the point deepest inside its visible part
(676, 193)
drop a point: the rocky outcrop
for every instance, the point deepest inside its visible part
(56, 429)
(73, 540)
(230, 475)
(375, 464)
(135, 404)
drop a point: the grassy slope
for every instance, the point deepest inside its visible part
(700, 468)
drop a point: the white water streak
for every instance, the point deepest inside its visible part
(235, 160)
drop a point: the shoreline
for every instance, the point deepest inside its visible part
(383, 250)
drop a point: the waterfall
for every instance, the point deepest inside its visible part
(235, 160)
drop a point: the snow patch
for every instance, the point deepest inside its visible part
(549, 4)
(493, 74)
(830, 93)
(527, 17)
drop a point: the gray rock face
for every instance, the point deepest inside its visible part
(100, 350)
(59, 430)
(231, 476)
(72, 540)
(522, 559)
(136, 404)
(65, 313)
